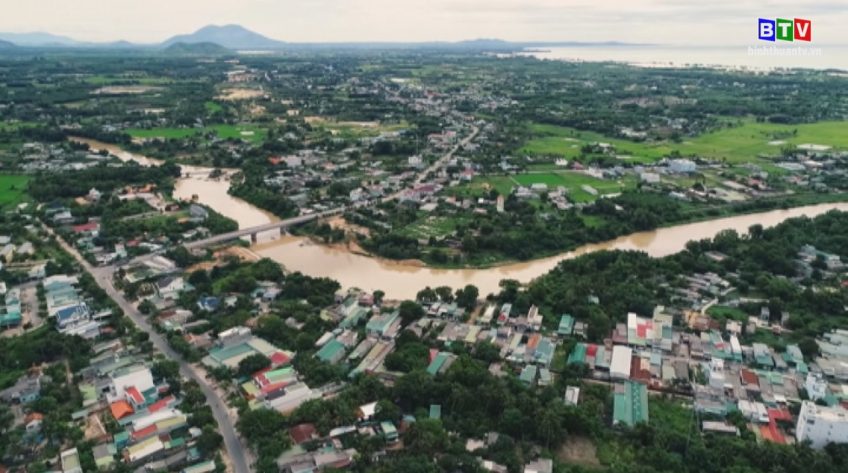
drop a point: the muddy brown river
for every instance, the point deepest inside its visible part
(403, 280)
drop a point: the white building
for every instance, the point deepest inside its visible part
(649, 177)
(620, 364)
(138, 377)
(816, 386)
(717, 378)
(821, 425)
(682, 166)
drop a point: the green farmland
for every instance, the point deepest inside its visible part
(737, 144)
(251, 133)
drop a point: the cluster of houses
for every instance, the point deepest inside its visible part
(19, 255)
(55, 157)
(276, 387)
(117, 387)
(69, 309)
(723, 376)
(10, 314)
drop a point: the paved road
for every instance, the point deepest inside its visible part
(103, 276)
(224, 237)
(220, 238)
(438, 164)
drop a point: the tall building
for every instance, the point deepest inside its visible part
(821, 425)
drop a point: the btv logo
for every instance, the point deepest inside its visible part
(798, 29)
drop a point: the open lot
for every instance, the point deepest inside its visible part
(573, 181)
(12, 189)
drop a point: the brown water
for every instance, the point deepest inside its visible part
(196, 183)
(403, 280)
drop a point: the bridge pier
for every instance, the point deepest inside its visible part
(253, 238)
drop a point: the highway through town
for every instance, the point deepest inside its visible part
(103, 276)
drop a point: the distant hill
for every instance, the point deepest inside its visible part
(6, 44)
(197, 49)
(38, 39)
(228, 36)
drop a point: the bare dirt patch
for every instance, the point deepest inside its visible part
(240, 94)
(125, 89)
(580, 451)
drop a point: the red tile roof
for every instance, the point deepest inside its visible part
(86, 227)
(533, 341)
(280, 358)
(749, 377)
(273, 387)
(145, 432)
(136, 396)
(159, 404)
(302, 433)
(121, 409)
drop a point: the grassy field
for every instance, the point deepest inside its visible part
(481, 185)
(430, 227)
(212, 107)
(12, 190)
(252, 133)
(140, 80)
(169, 133)
(739, 144)
(573, 181)
(566, 142)
(15, 125)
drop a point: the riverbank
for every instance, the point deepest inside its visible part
(702, 215)
(401, 281)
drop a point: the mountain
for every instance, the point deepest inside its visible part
(38, 39)
(197, 49)
(228, 36)
(6, 44)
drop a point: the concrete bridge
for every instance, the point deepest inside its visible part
(254, 231)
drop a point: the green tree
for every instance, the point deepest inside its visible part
(252, 364)
(410, 312)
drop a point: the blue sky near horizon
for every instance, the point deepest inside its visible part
(673, 22)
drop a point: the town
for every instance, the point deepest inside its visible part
(447, 257)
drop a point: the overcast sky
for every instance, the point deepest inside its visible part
(700, 22)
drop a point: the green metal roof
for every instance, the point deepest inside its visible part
(437, 363)
(578, 355)
(435, 411)
(330, 351)
(630, 406)
(528, 374)
(566, 325)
